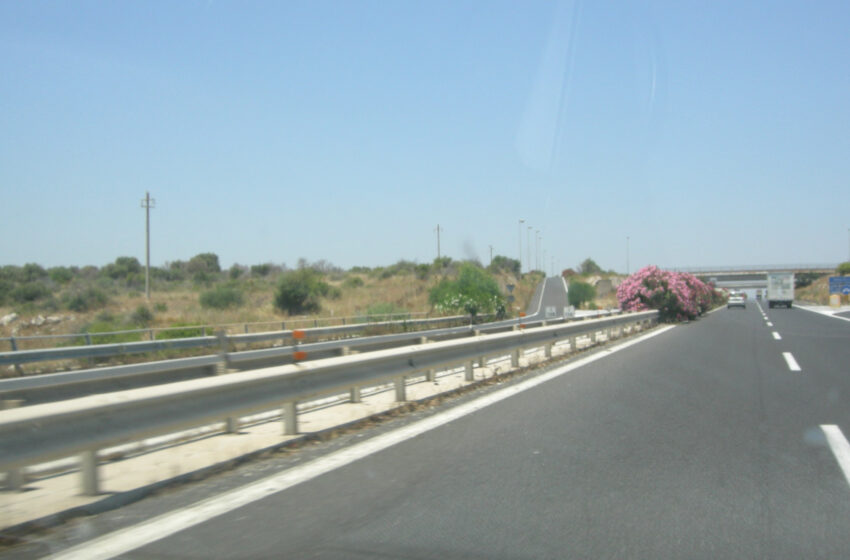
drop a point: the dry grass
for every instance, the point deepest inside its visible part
(816, 293)
(182, 306)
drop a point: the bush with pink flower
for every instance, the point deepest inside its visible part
(678, 296)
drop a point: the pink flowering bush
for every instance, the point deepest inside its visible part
(678, 296)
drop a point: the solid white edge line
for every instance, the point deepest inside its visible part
(165, 525)
(777, 336)
(540, 301)
(827, 314)
(792, 363)
(840, 447)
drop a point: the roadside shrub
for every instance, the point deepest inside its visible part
(261, 269)
(473, 291)
(384, 309)
(803, 279)
(180, 330)
(6, 288)
(222, 297)
(85, 300)
(677, 296)
(29, 292)
(589, 267)
(142, 316)
(97, 330)
(60, 274)
(843, 269)
(352, 282)
(235, 272)
(580, 293)
(300, 291)
(505, 264)
(203, 262)
(123, 268)
(160, 307)
(32, 272)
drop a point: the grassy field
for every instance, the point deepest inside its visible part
(361, 294)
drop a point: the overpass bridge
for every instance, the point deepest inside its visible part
(752, 277)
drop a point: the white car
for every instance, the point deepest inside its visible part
(736, 300)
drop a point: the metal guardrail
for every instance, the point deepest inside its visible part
(152, 332)
(40, 433)
(36, 389)
(108, 350)
(756, 269)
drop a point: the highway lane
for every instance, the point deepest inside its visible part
(549, 293)
(697, 443)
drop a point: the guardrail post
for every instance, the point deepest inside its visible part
(431, 375)
(290, 419)
(151, 335)
(547, 350)
(88, 339)
(354, 395)
(14, 346)
(400, 389)
(423, 340)
(15, 480)
(469, 373)
(515, 358)
(231, 425)
(88, 471)
(224, 360)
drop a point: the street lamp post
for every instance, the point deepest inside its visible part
(528, 237)
(537, 250)
(627, 255)
(520, 245)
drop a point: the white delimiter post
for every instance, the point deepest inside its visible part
(88, 470)
(290, 419)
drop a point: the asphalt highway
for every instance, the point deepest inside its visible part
(714, 439)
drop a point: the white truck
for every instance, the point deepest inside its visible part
(780, 289)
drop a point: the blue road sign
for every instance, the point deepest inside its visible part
(839, 285)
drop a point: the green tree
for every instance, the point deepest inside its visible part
(501, 263)
(589, 267)
(261, 269)
(473, 291)
(203, 262)
(580, 293)
(60, 274)
(843, 269)
(123, 268)
(300, 291)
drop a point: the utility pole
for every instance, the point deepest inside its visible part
(627, 255)
(520, 246)
(438, 241)
(528, 237)
(491, 255)
(147, 204)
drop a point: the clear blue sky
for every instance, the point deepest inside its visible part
(710, 133)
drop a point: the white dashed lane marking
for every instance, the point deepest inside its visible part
(792, 363)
